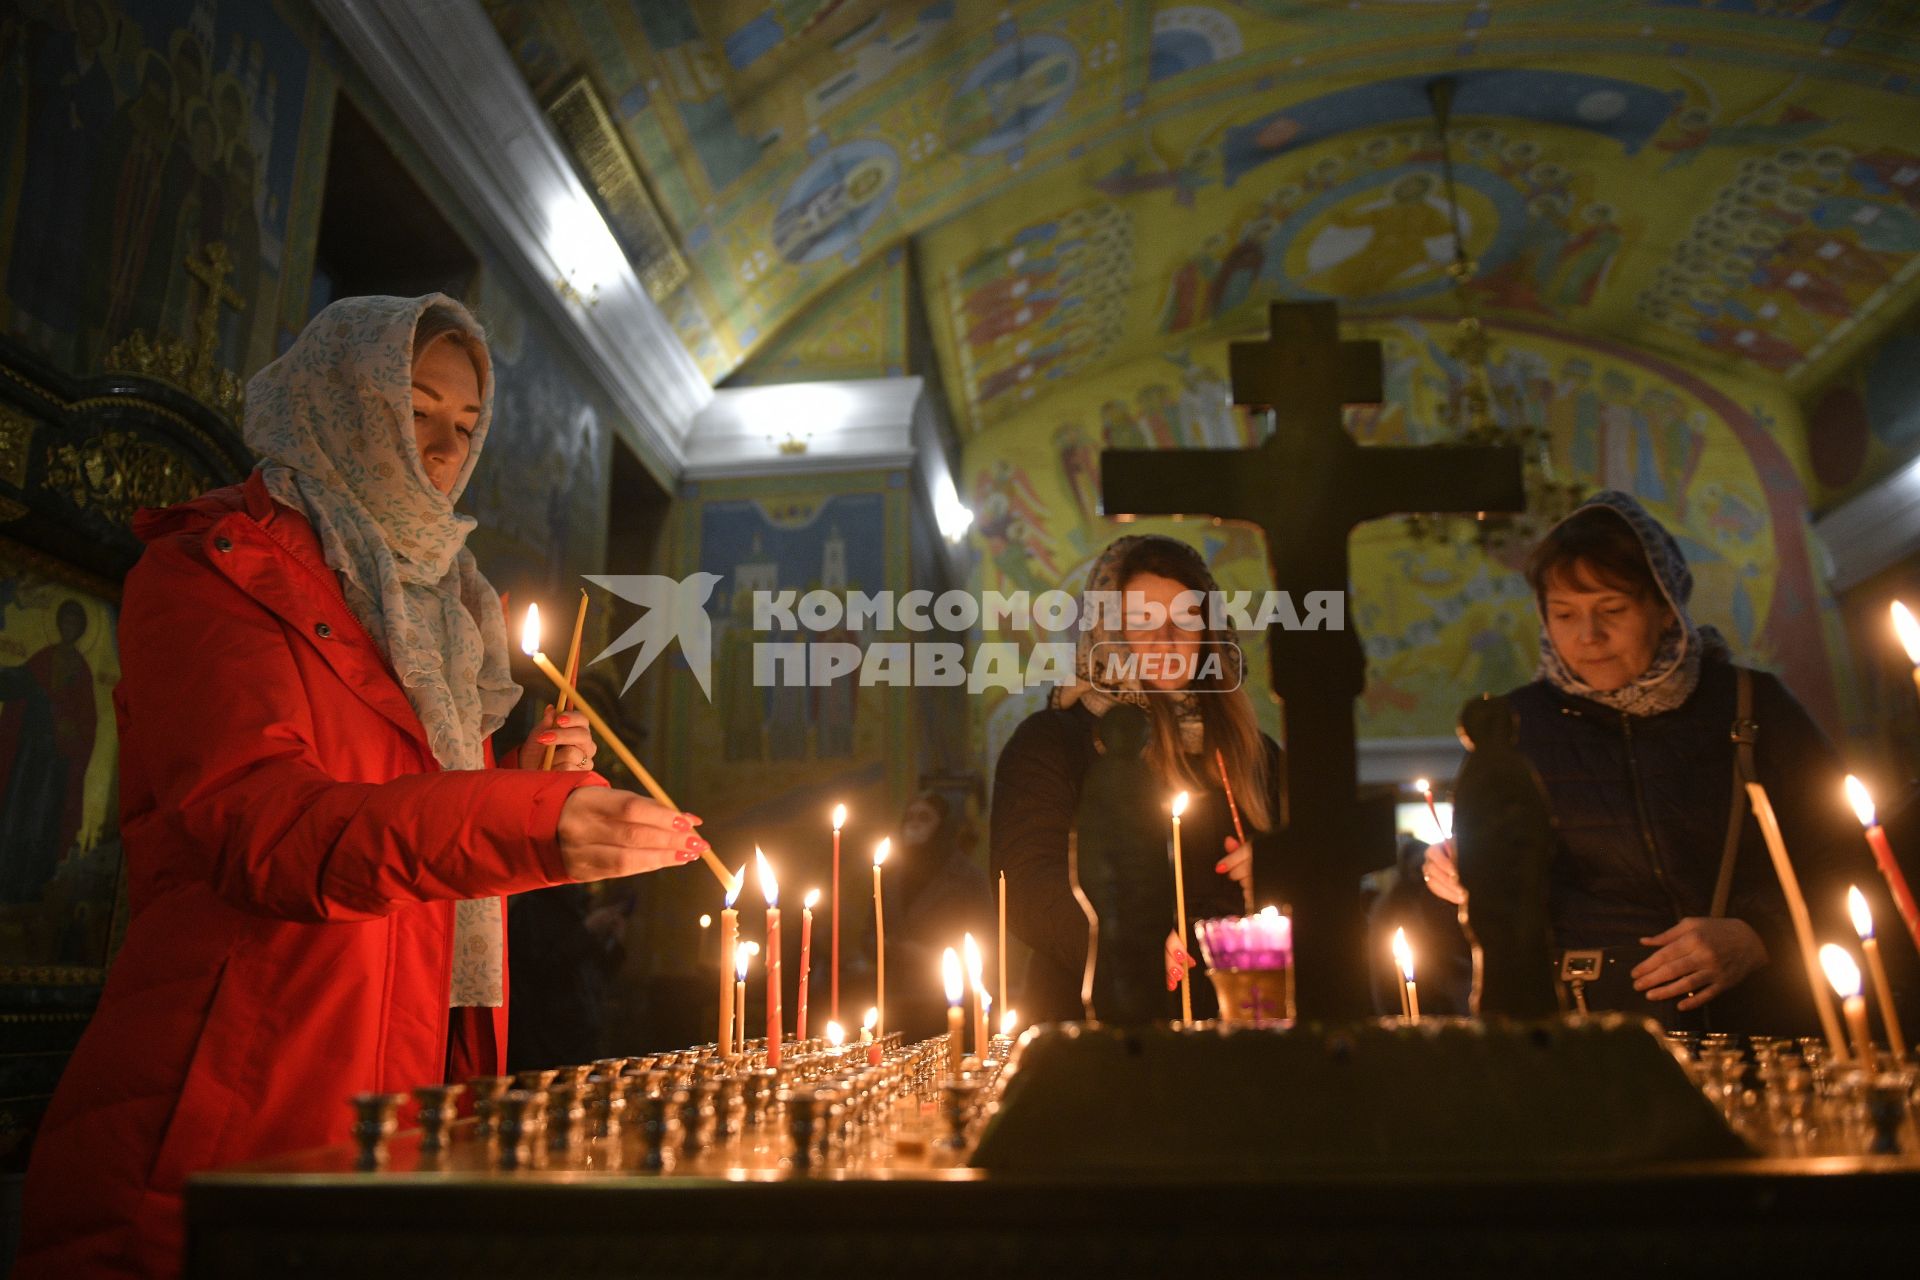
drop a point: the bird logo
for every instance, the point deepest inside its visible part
(671, 607)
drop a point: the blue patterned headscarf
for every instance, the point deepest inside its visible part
(1674, 673)
(332, 421)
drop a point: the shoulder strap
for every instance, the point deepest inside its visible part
(1745, 730)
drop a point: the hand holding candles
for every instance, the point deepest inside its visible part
(1844, 974)
(1180, 910)
(833, 946)
(770, 889)
(530, 642)
(573, 672)
(807, 905)
(1239, 831)
(1409, 994)
(956, 1017)
(1870, 947)
(880, 853)
(1883, 857)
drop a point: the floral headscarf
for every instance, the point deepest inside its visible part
(332, 421)
(1104, 576)
(1674, 673)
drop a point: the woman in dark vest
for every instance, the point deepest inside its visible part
(1631, 728)
(1037, 781)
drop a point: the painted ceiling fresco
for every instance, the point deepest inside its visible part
(1734, 184)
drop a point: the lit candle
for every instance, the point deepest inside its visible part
(1844, 976)
(1883, 858)
(970, 955)
(870, 1036)
(1000, 957)
(573, 672)
(806, 960)
(729, 942)
(1425, 789)
(1239, 832)
(742, 952)
(1409, 994)
(1797, 910)
(1908, 630)
(1870, 946)
(1180, 910)
(530, 642)
(836, 1034)
(770, 889)
(880, 852)
(1009, 1022)
(833, 947)
(956, 1017)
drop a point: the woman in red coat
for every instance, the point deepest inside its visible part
(316, 843)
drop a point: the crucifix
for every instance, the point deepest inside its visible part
(1307, 485)
(206, 326)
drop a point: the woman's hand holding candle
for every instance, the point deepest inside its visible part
(605, 833)
(567, 735)
(1179, 963)
(1238, 864)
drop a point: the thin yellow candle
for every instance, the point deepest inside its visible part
(1883, 993)
(729, 943)
(1844, 976)
(1409, 993)
(970, 955)
(530, 642)
(956, 1017)
(880, 852)
(1180, 910)
(741, 953)
(1797, 910)
(807, 905)
(770, 889)
(1905, 627)
(573, 671)
(1000, 956)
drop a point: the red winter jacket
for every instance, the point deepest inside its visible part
(293, 854)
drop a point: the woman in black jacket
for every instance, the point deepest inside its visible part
(1037, 781)
(1631, 727)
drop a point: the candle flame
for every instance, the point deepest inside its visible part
(1403, 954)
(1009, 1022)
(950, 974)
(839, 816)
(769, 887)
(530, 631)
(1424, 787)
(1270, 912)
(871, 1021)
(739, 882)
(836, 1034)
(1180, 804)
(753, 948)
(1861, 799)
(1842, 972)
(1862, 914)
(881, 850)
(706, 921)
(1908, 630)
(970, 951)
(812, 899)
(741, 954)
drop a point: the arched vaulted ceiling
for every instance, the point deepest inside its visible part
(1733, 183)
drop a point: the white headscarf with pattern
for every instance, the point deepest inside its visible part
(332, 421)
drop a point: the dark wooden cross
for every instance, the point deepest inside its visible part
(1307, 485)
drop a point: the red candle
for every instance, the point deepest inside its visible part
(1883, 857)
(833, 948)
(771, 889)
(806, 961)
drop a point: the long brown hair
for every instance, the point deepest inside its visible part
(1225, 710)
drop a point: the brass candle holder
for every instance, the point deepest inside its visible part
(375, 1116)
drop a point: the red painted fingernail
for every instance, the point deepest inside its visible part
(545, 737)
(564, 721)
(693, 842)
(686, 855)
(680, 822)
(1221, 866)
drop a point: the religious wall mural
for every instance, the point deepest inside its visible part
(1701, 178)
(859, 330)
(60, 859)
